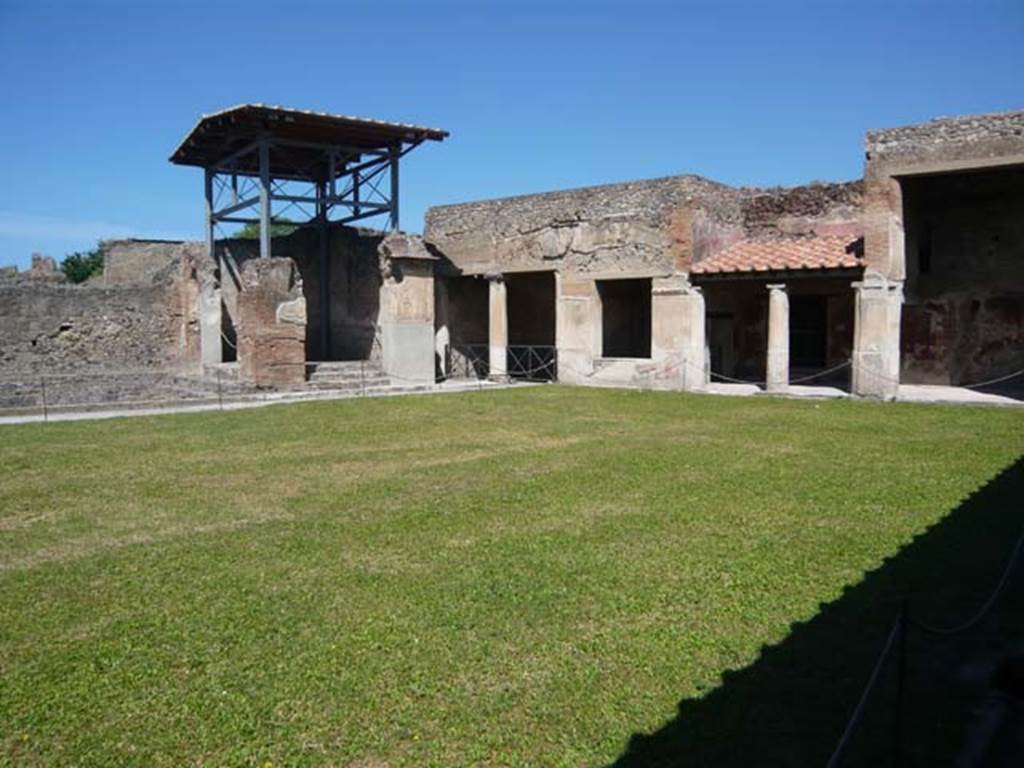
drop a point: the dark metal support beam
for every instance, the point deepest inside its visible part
(335, 165)
(327, 199)
(395, 154)
(227, 161)
(211, 246)
(325, 272)
(264, 200)
(356, 217)
(223, 212)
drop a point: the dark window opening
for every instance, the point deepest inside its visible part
(531, 308)
(924, 252)
(531, 326)
(808, 326)
(625, 317)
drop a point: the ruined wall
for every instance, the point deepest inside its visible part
(354, 287)
(641, 228)
(141, 319)
(638, 229)
(271, 323)
(813, 209)
(945, 141)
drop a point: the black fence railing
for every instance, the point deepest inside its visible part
(533, 362)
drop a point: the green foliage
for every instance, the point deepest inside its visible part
(521, 577)
(279, 227)
(81, 265)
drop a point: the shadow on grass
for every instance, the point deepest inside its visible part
(790, 706)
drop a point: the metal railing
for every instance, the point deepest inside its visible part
(535, 362)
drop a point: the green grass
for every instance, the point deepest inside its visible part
(497, 578)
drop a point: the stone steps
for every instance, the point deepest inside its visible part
(349, 375)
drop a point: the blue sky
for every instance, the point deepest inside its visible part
(537, 95)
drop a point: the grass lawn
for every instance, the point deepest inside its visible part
(524, 577)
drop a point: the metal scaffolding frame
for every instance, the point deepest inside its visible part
(341, 181)
(261, 162)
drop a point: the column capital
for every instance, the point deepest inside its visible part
(873, 281)
(676, 285)
(495, 277)
(776, 286)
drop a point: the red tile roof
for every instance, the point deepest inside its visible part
(785, 254)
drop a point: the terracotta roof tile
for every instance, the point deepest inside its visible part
(785, 254)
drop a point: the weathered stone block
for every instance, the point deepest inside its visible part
(271, 324)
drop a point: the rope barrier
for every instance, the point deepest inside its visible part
(994, 381)
(886, 377)
(900, 629)
(986, 606)
(819, 374)
(858, 711)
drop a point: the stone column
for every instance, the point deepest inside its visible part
(876, 337)
(498, 327)
(778, 338)
(678, 342)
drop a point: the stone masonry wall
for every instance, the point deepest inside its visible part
(948, 139)
(132, 338)
(820, 208)
(354, 287)
(630, 229)
(48, 324)
(272, 324)
(644, 228)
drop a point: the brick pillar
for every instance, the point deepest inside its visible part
(498, 327)
(778, 338)
(876, 337)
(272, 324)
(678, 342)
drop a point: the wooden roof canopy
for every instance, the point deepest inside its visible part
(300, 138)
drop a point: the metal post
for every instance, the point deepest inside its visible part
(234, 189)
(42, 384)
(325, 272)
(394, 154)
(899, 748)
(210, 245)
(355, 193)
(264, 200)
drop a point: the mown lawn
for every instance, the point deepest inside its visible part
(524, 577)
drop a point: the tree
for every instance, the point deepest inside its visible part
(81, 265)
(279, 227)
